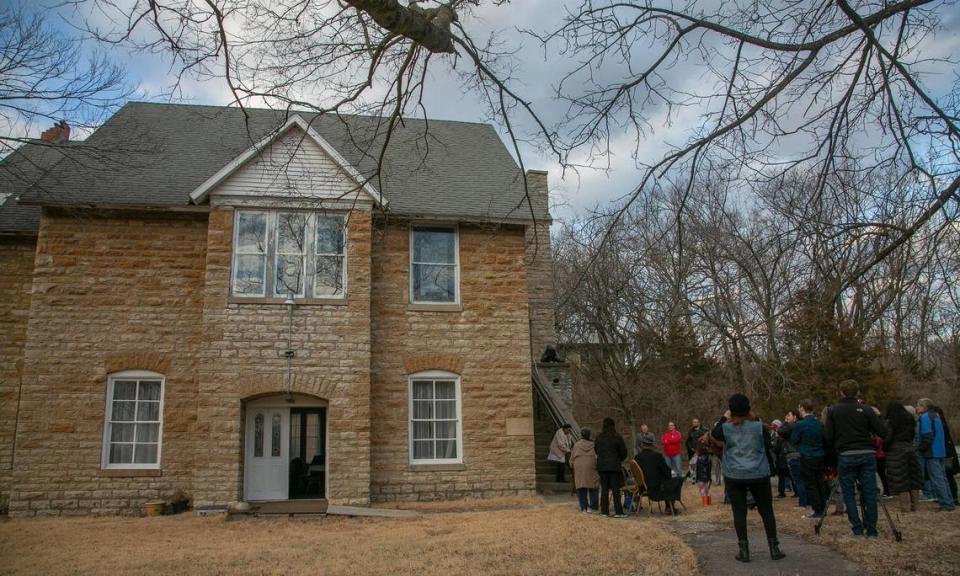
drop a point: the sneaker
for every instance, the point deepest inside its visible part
(812, 516)
(873, 535)
(856, 535)
(619, 515)
(925, 498)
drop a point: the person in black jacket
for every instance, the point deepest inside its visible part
(656, 473)
(950, 462)
(903, 469)
(611, 452)
(850, 428)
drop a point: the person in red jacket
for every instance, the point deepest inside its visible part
(672, 441)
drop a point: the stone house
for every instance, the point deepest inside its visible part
(194, 300)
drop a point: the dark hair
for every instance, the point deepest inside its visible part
(739, 405)
(794, 412)
(565, 426)
(807, 405)
(897, 414)
(849, 388)
(609, 425)
(585, 433)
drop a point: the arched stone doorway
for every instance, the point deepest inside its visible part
(285, 448)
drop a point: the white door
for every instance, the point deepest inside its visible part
(268, 447)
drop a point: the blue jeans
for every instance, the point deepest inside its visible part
(927, 489)
(934, 468)
(676, 464)
(798, 487)
(587, 497)
(859, 469)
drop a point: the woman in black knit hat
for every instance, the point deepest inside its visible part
(747, 469)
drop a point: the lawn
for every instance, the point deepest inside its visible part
(930, 546)
(554, 540)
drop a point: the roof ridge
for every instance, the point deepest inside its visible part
(297, 111)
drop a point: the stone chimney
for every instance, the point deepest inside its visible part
(539, 259)
(59, 134)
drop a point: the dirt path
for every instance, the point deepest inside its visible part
(716, 545)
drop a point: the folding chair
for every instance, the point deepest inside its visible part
(639, 489)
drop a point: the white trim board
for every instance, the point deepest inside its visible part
(202, 192)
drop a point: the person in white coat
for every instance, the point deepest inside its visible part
(560, 450)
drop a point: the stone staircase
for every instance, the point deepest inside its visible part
(545, 427)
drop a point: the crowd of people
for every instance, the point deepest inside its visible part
(835, 457)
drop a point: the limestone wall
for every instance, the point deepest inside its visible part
(485, 342)
(111, 292)
(16, 278)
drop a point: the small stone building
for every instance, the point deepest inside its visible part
(236, 305)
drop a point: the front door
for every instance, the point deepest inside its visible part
(267, 453)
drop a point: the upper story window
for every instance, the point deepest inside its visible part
(434, 265)
(277, 254)
(133, 426)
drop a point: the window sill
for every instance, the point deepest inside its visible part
(131, 472)
(437, 467)
(281, 301)
(434, 307)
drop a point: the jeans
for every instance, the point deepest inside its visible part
(927, 488)
(610, 481)
(675, 463)
(938, 480)
(762, 495)
(798, 485)
(588, 498)
(862, 469)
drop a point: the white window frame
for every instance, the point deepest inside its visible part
(236, 253)
(313, 254)
(434, 375)
(303, 254)
(107, 424)
(309, 256)
(456, 263)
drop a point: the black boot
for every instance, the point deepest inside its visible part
(744, 555)
(775, 552)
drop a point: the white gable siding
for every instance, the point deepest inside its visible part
(293, 166)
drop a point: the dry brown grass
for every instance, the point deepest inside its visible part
(468, 505)
(555, 540)
(930, 546)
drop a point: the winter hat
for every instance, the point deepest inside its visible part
(739, 405)
(776, 423)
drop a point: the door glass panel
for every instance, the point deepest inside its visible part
(275, 436)
(258, 436)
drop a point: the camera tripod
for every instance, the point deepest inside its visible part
(897, 535)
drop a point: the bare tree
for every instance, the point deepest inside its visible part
(47, 76)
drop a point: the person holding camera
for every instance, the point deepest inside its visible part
(746, 469)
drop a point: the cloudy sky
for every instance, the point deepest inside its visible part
(574, 193)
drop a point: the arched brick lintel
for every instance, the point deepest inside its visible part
(446, 362)
(152, 361)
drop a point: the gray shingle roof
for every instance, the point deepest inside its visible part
(18, 171)
(154, 155)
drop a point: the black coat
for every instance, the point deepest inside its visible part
(655, 470)
(851, 425)
(902, 468)
(611, 452)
